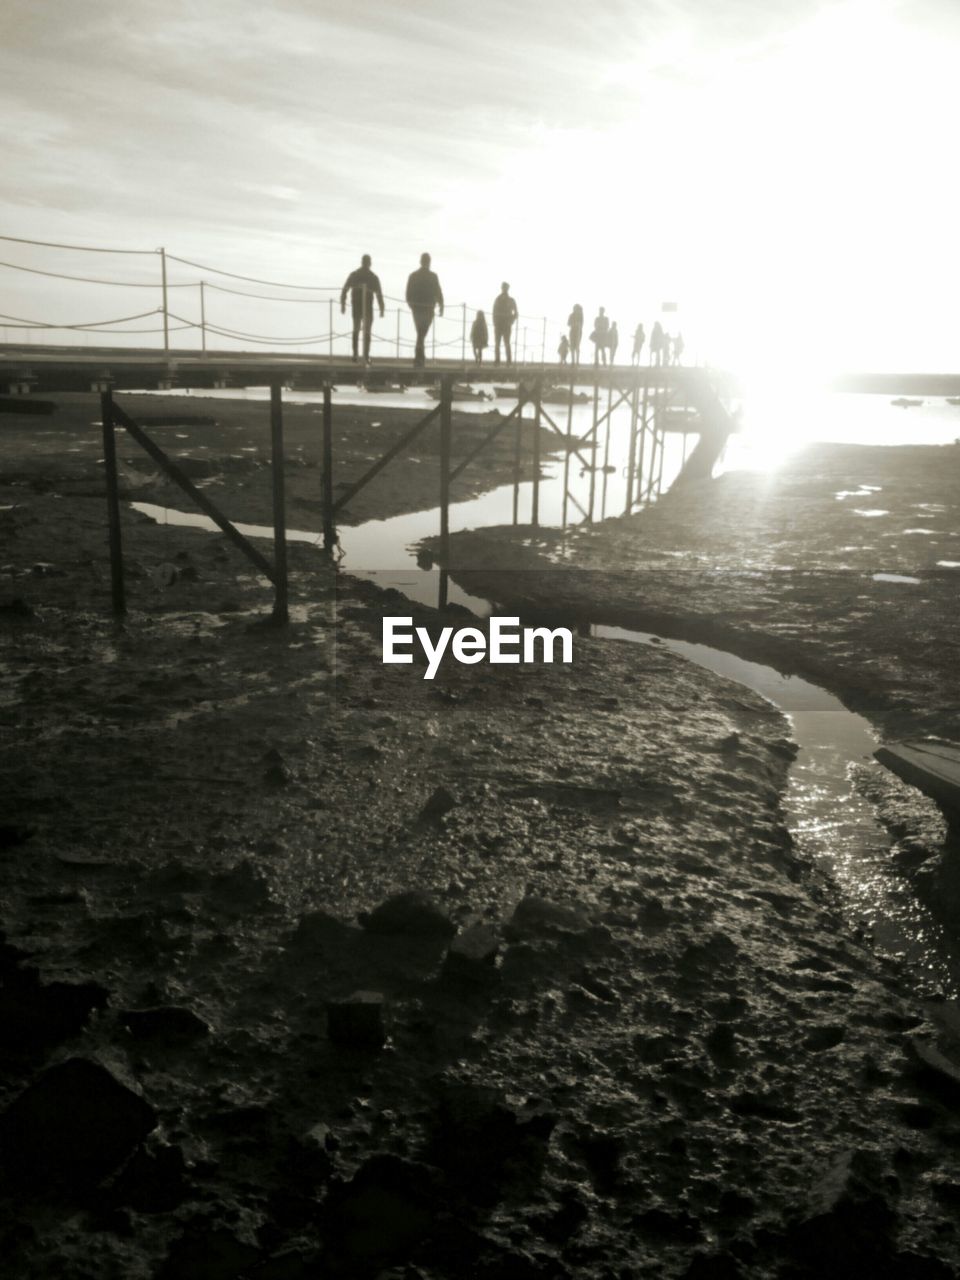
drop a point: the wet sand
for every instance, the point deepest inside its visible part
(697, 1071)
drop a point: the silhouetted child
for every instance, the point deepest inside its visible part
(479, 338)
(563, 350)
(678, 345)
(613, 341)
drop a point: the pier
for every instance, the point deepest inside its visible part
(656, 400)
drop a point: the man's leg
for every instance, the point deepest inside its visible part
(356, 333)
(367, 333)
(506, 344)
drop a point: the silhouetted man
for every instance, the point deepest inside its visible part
(504, 314)
(363, 286)
(423, 295)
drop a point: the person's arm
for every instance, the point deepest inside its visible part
(439, 292)
(379, 293)
(344, 291)
(409, 287)
(515, 314)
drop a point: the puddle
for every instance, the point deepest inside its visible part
(894, 577)
(831, 823)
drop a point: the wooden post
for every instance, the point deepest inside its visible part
(543, 342)
(280, 609)
(463, 336)
(446, 430)
(643, 437)
(566, 459)
(113, 504)
(203, 320)
(330, 322)
(163, 286)
(326, 481)
(535, 506)
(595, 437)
(632, 460)
(517, 442)
(398, 333)
(606, 452)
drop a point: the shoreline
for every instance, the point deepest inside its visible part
(212, 803)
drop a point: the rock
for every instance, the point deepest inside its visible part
(205, 1253)
(932, 1057)
(379, 1216)
(153, 1181)
(439, 804)
(35, 1015)
(851, 1220)
(357, 1021)
(310, 1153)
(70, 1128)
(14, 833)
(169, 1023)
(411, 914)
(16, 609)
(534, 915)
(826, 1036)
(473, 954)
(241, 887)
(487, 1146)
(601, 1153)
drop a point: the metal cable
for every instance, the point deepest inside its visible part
(79, 248)
(21, 322)
(276, 284)
(126, 284)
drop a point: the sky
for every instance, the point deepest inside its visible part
(783, 171)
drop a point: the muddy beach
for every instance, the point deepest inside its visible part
(614, 1026)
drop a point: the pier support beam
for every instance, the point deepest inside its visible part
(446, 436)
(118, 592)
(537, 397)
(326, 479)
(281, 612)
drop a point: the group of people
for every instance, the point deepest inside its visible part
(425, 299)
(663, 348)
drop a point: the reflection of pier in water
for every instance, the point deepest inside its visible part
(656, 401)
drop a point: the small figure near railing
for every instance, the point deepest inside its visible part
(479, 337)
(639, 338)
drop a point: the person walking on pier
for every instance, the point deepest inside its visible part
(613, 341)
(504, 314)
(639, 338)
(563, 349)
(479, 337)
(424, 295)
(575, 325)
(678, 348)
(657, 340)
(601, 330)
(363, 286)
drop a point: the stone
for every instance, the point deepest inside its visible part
(356, 1022)
(153, 1181)
(379, 1217)
(207, 1253)
(35, 1015)
(473, 954)
(74, 1125)
(412, 914)
(487, 1146)
(310, 1153)
(535, 915)
(169, 1023)
(439, 804)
